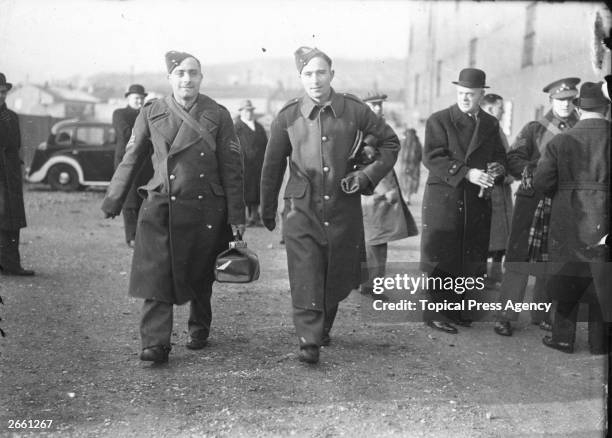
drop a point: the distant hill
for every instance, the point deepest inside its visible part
(261, 77)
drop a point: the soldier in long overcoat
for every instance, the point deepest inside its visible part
(323, 227)
(575, 171)
(12, 211)
(195, 194)
(459, 143)
(522, 161)
(253, 140)
(123, 122)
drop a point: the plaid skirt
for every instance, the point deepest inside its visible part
(538, 233)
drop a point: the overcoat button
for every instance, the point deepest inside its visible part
(201, 154)
(326, 223)
(208, 226)
(324, 138)
(172, 177)
(326, 197)
(173, 198)
(201, 175)
(325, 169)
(200, 196)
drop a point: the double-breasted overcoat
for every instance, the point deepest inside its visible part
(323, 226)
(253, 145)
(575, 171)
(524, 154)
(456, 222)
(12, 212)
(195, 193)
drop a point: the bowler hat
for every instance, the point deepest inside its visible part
(136, 89)
(3, 82)
(591, 96)
(304, 54)
(471, 78)
(373, 97)
(562, 88)
(246, 104)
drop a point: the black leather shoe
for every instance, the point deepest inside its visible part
(19, 271)
(157, 354)
(309, 354)
(503, 328)
(442, 326)
(196, 343)
(565, 347)
(326, 340)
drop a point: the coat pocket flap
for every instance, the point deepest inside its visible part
(217, 189)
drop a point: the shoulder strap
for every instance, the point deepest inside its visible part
(193, 123)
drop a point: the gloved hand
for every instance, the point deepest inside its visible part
(238, 230)
(270, 224)
(356, 182)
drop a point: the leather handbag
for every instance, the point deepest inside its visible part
(237, 264)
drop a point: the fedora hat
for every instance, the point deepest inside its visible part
(591, 96)
(135, 89)
(471, 78)
(246, 104)
(3, 82)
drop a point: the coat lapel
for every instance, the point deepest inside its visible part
(455, 116)
(477, 137)
(164, 123)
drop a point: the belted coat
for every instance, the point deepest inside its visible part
(195, 193)
(575, 171)
(12, 212)
(323, 226)
(456, 222)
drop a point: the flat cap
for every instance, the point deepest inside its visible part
(174, 59)
(562, 88)
(304, 54)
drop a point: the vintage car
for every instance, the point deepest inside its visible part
(77, 154)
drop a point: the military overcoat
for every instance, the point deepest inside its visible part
(575, 171)
(253, 144)
(525, 153)
(195, 193)
(456, 222)
(12, 212)
(323, 226)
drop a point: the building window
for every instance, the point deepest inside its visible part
(472, 52)
(529, 38)
(438, 77)
(416, 89)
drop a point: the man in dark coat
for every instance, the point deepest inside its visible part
(522, 161)
(461, 143)
(195, 194)
(12, 212)
(323, 230)
(411, 155)
(123, 122)
(253, 140)
(575, 171)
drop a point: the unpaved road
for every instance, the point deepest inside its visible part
(72, 345)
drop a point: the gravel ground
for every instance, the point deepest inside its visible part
(72, 345)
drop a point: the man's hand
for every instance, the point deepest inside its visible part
(527, 178)
(355, 182)
(109, 215)
(480, 178)
(270, 224)
(238, 230)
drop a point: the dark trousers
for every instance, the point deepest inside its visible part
(513, 287)
(436, 295)
(9, 250)
(252, 213)
(573, 289)
(130, 219)
(156, 321)
(312, 325)
(376, 256)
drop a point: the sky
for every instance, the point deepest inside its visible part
(45, 40)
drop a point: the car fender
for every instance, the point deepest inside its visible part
(41, 173)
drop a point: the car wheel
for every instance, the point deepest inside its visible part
(63, 177)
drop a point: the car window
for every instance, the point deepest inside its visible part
(90, 135)
(64, 136)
